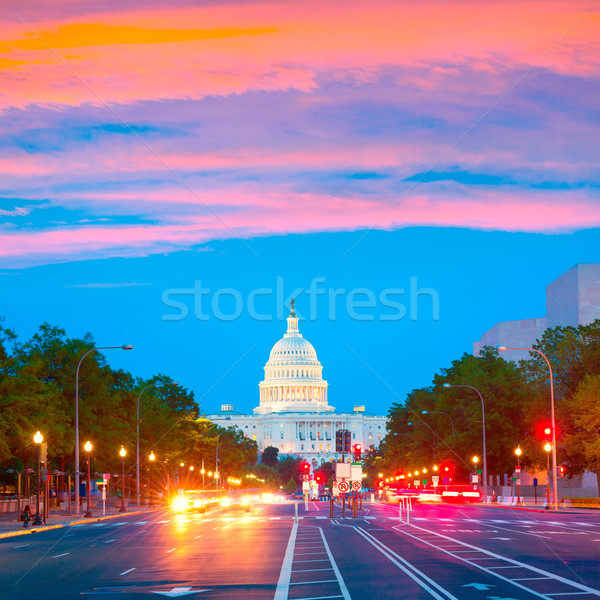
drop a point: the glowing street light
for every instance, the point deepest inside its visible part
(88, 513)
(518, 452)
(151, 458)
(123, 454)
(548, 449)
(38, 438)
(553, 430)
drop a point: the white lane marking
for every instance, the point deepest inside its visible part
(319, 597)
(283, 585)
(22, 546)
(340, 580)
(141, 523)
(128, 571)
(314, 582)
(274, 518)
(171, 550)
(59, 555)
(310, 553)
(315, 560)
(198, 536)
(109, 541)
(311, 570)
(494, 556)
(417, 576)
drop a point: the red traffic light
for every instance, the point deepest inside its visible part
(306, 467)
(547, 431)
(358, 446)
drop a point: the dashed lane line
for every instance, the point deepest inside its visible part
(128, 571)
(63, 554)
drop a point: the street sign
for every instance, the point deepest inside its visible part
(517, 469)
(424, 481)
(356, 472)
(514, 479)
(535, 481)
(305, 486)
(435, 479)
(342, 471)
(480, 471)
(474, 478)
(356, 485)
(416, 482)
(106, 476)
(343, 487)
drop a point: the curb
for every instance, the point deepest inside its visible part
(70, 524)
(26, 531)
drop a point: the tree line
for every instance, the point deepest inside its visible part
(37, 392)
(517, 410)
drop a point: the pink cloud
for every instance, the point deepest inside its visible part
(266, 214)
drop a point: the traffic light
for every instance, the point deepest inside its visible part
(561, 471)
(343, 441)
(357, 451)
(339, 440)
(306, 467)
(348, 442)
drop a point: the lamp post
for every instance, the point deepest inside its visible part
(151, 457)
(88, 513)
(125, 347)
(485, 475)
(554, 469)
(123, 453)
(202, 471)
(548, 448)
(191, 478)
(439, 412)
(518, 452)
(38, 438)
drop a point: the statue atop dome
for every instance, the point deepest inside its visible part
(293, 311)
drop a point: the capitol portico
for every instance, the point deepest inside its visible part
(293, 414)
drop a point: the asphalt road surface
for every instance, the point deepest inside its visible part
(446, 552)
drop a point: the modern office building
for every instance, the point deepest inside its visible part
(571, 299)
(293, 414)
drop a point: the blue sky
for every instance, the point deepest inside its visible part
(481, 278)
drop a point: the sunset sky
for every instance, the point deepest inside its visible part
(148, 145)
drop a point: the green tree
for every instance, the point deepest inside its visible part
(584, 435)
(270, 456)
(291, 486)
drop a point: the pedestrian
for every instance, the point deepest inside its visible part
(26, 515)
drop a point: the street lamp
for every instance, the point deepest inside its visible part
(518, 452)
(125, 347)
(123, 454)
(137, 441)
(485, 476)
(151, 457)
(554, 469)
(548, 449)
(439, 412)
(38, 438)
(88, 513)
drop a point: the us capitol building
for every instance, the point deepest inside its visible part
(294, 415)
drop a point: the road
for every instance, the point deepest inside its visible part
(446, 552)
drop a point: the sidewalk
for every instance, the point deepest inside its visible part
(56, 518)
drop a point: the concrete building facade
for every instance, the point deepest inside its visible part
(572, 299)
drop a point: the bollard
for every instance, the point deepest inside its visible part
(343, 505)
(400, 503)
(295, 512)
(354, 505)
(331, 507)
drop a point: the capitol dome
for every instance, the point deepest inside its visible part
(293, 375)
